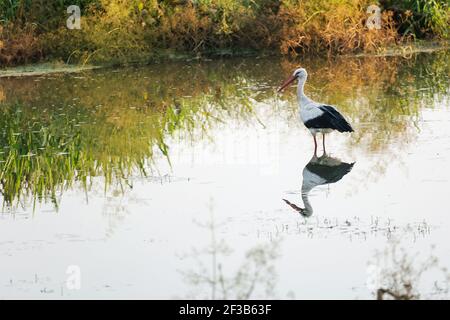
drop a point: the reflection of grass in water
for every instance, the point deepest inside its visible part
(35, 157)
(399, 275)
(46, 152)
(256, 273)
(46, 149)
(64, 129)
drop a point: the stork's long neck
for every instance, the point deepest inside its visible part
(302, 98)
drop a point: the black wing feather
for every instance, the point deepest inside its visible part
(331, 174)
(330, 119)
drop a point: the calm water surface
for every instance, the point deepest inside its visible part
(168, 181)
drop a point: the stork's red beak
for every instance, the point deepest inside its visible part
(286, 83)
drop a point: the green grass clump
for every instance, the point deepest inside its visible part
(424, 18)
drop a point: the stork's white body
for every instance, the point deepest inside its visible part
(308, 109)
(317, 117)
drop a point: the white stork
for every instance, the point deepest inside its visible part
(317, 117)
(319, 171)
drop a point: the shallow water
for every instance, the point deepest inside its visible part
(168, 181)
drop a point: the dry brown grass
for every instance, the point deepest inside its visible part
(19, 45)
(337, 26)
(123, 31)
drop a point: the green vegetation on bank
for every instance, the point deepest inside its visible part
(122, 31)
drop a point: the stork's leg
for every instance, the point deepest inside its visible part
(323, 144)
(315, 144)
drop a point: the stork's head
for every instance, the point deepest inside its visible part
(299, 74)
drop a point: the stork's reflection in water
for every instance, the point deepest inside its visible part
(319, 171)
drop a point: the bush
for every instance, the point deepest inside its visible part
(424, 18)
(122, 31)
(19, 45)
(336, 25)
